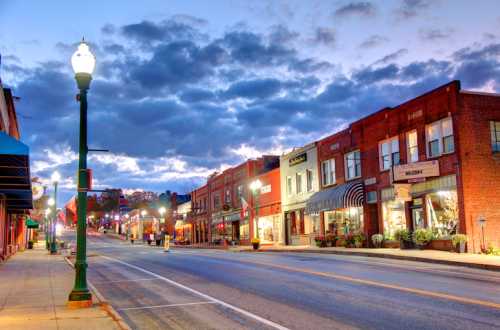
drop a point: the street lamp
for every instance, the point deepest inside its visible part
(55, 178)
(162, 210)
(255, 188)
(83, 62)
(47, 225)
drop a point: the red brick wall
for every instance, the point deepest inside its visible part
(480, 167)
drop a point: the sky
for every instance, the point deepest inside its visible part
(185, 88)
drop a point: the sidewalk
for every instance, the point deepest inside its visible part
(34, 289)
(432, 256)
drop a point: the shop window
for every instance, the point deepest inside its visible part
(344, 221)
(244, 230)
(353, 164)
(495, 135)
(289, 185)
(440, 138)
(389, 153)
(412, 147)
(442, 212)
(266, 229)
(298, 183)
(393, 213)
(371, 197)
(328, 172)
(309, 180)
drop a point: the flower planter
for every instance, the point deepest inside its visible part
(405, 245)
(255, 246)
(390, 244)
(441, 244)
(30, 245)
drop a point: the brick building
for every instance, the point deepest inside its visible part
(431, 162)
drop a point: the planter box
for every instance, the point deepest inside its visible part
(390, 244)
(441, 244)
(406, 245)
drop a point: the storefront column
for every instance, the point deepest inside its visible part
(322, 223)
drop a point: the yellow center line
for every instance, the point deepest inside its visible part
(420, 292)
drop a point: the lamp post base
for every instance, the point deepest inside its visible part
(53, 248)
(80, 299)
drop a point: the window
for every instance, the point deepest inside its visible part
(353, 165)
(216, 201)
(239, 193)
(440, 138)
(495, 135)
(289, 185)
(371, 197)
(389, 153)
(228, 196)
(309, 180)
(204, 203)
(412, 147)
(298, 183)
(328, 172)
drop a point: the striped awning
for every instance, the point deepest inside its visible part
(350, 194)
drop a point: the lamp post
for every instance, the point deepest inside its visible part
(55, 178)
(83, 62)
(47, 232)
(50, 202)
(255, 188)
(128, 225)
(162, 210)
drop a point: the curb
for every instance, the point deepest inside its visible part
(495, 268)
(104, 303)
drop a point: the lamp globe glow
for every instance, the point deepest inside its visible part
(144, 212)
(47, 212)
(256, 185)
(83, 61)
(56, 177)
(162, 210)
(51, 201)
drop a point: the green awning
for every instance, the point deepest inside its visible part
(32, 223)
(11, 146)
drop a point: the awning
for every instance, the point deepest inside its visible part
(31, 223)
(15, 182)
(350, 194)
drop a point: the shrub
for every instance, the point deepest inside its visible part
(422, 236)
(402, 235)
(377, 239)
(458, 238)
(255, 240)
(491, 250)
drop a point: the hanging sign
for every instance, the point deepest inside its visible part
(402, 192)
(297, 159)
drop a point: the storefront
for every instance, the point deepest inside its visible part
(341, 222)
(183, 232)
(232, 224)
(393, 213)
(269, 229)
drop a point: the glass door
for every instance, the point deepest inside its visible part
(417, 215)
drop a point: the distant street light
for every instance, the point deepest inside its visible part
(47, 226)
(83, 62)
(55, 178)
(255, 188)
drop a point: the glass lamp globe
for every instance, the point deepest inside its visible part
(51, 201)
(143, 213)
(162, 210)
(56, 177)
(256, 185)
(83, 61)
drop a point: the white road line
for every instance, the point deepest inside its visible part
(120, 281)
(210, 298)
(165, 306)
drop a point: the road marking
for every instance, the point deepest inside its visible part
(210, 298)
(120, 281)
(166, 306)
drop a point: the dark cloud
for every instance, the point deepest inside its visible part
(251, 89)
(108, 29)
(147, 32)
(373, 41)
(338, 91)
(392, 56)
(192, 95)
(280, 34)
(325, 36)
(435, 34)
(363, 8)
(372, 75)
(412, 8)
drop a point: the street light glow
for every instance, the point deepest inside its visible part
(51, 201)
(56, 177)
(47, 212)
(255, 185)
(162, 210)
(83, 61)
(144, 212)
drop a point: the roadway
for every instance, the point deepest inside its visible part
(213, 289)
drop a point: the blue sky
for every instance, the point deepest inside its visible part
(183, 88)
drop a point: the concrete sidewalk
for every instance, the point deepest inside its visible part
(34, 289)
(432, 256)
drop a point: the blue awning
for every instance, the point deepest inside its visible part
(350, 194)
(15, 181)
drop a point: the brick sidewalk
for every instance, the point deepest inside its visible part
(34, 289)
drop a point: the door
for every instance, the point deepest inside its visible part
(417, 216)
(288, 228)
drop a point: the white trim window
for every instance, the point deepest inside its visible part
(412, 146)
(495, 135)
(309, 180)
(328, 172)
(439, 135)
(298, 183)
(289, 185)
(352, 165)
(389, 153)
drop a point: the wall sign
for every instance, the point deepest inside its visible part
(402, 192)
(370, 181)
(297, 159)
(265, 189)
(416, 170)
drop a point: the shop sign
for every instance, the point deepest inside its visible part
(297, 159)
(402, 192)
(370, 181)
(265, 189)
(416, 170)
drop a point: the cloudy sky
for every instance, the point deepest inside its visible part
(183, 88)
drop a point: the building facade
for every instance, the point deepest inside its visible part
(432, 162)
(299, 181)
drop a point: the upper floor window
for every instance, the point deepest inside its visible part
(239, 193)
(389, 153)
(298, 183)
(228, 196)
(352, 165)
(495, 135)
(204, 203)
(216, 201)
(289, 185)
(309, 180)
(440, 138)
(412, 147)
(328, 172)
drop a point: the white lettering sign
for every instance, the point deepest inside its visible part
(265, 189)
(416, 170)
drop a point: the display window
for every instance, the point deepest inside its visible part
(244, 230)
(393, 213)
(266, 229)
(344, 221)
(442, 212)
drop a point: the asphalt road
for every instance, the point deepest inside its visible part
(211, 289)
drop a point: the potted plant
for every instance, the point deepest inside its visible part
(320, 241)
(255, 243)
(331, 240)
(377, 240)
(349, 240)
(30, 244)
(358, 240)
(404, 238)
(422, 237)
(459, 241)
